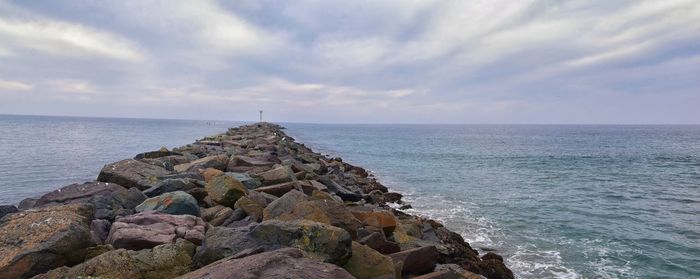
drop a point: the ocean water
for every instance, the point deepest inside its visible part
(556, 201)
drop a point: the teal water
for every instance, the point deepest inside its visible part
(556, 201)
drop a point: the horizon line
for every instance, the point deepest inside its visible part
(353, 123)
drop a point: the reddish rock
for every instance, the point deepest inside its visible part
(417, 261)
(151, 228)
(378, 241)
(278, 189)
(379, 219)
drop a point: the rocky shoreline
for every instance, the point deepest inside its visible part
(248, 203)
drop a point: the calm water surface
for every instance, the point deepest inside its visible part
(556, 201)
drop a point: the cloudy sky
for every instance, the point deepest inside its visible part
(355, 61)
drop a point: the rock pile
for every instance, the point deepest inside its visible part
(249, 203)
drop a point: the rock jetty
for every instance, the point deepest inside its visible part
(248, 203)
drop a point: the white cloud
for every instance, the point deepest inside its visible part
(11, 85)
(65, 39)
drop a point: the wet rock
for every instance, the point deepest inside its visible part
(149, 229)
(324, 211)
(7, 209)
(492, 256)
(170, 185)
(455, 271)
(163, 261)
(378, 241)
(418, 260)
(26, 203)
(176, 203)
(131, 173)
(392, 197)
(284, 204)
(366, 263)
(225, 190)
(218, 162)
(37, 240)
(319, 241)
(495, 269)
(454, 246)
(286, 263)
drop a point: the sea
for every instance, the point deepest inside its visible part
(557, 201)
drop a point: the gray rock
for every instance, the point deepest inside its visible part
(131, 173)
(170, 185)
(176, 203)
(7, 209)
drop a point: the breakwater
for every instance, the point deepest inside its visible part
(250, 202)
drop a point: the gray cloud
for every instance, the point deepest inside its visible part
(356, 61)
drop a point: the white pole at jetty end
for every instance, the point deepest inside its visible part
(260, 115)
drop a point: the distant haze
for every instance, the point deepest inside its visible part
(399, 61)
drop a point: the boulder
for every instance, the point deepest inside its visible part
(109, 199)
(218, 162)
(225, 190)
(493, 267)
(341, 191)
(210, 173)
(151, 228)
(453, 271)
(131, 173)
(319, 241)
(366, 263)
(99, 230)
(384, 220)
(253, 204)
(38, 240)
(163, 261)
(162, 152)
(417, 261)
(286, 263)
(176, 203)
(217, 215)
(7, 209)
(278, 189)
(248, 164)
(284, 204)
(277, 175)
(324, 211)
(170, 185)
(378, 241)
(247, 180)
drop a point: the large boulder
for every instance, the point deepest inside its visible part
(162, 262)
(149, 229)
(109, 199)
(284, 204)
(170, 185)
(319, 241)
(279, 189)
(246, 179)
(417, 261)
(225, 190)
(366, 263)
(277, 175)
(176, 203)
(38, 240)
(324, 211)
(378, 241)
(218, 162)
(286, 263)
(382, 219)
(253, 204)
(131, 173)
(162, 152)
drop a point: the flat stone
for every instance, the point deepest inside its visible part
(218, 162)
(131, 173)
(151, 228)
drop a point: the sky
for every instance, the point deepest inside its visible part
(397, 61)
